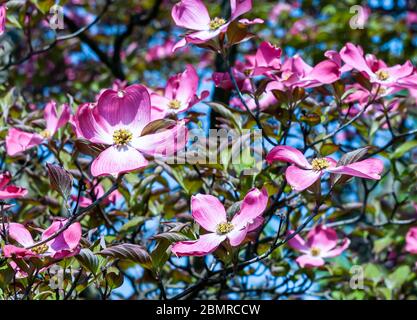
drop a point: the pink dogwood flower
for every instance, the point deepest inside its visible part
(302, 173)
(193, 15)
(3, 11)
(18, 141)
(9, 191)
(117, 120)
(321, 244)
(180, 93)
(113, 198)
(411, 240)
(376, 70)
(161, 51)
(210, 214)
(66, 244)
(295, 72)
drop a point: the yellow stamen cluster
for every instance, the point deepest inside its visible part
(40, 249)
(122, 137)
(319, 164)
(46, 134)
(382, 75)
(224, 227)
(216, 23)
(315, 252)
(174, 104)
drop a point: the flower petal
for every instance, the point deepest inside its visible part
(88, 127)
(68, 240)
(53, 120)
(298, 243)
(206, 244)
(164, 143)
(411, 240)
(338, 250)
(368, 169)
(18, 141)
(253, 206)
(322, 238)
(240, 7)
(300, 179)
(191, 14)
(116, 160)
(308, 261)
(130, 107)
(12, 192)
(207, 211)
(353, 56)
(288, 154)
(20, 234)
(237, 235)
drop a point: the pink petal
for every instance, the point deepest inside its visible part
(308, 261)
(130, 107)
(322, 238)
(205, 35)
(20, 234)
(257, 222)
(240, 7)
(207, 211)
(300, 179)
(2, 18)
(180, 44)
(12, 192)
(206, 244)
(248, 22)
(288, 154)
(325, 72)
(253, 206)
(4, 179)
(164, 143)
(18, 141)
(368, 169)
(88, 127)
(188, 84)
(237, 235)
(353, 56)
(68, 240)
(11, 251)
(191, 14)
(267, 58)
(298, 243)
(338, 250)
(116, 160)
(411, 240)
(53, 120)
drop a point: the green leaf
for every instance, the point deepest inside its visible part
(88, 260)
(328, 148)
(60, 179)
(128, 251)
(404, 148)
(396, 279)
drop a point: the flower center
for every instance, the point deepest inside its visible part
(40, 249)
(120, 93)
(319, 164)
(315, 252)
(46, 134)
(224, 227)
(174, 104)
(382, 75)
(216, 23)
(122, 137)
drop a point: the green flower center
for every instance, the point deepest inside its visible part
(315, 252)
(122, 137)
(216, 23)
(382, 75)
(174, 104)
(40, 249)
(46, 134)
(319, 164)
(224, 227)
